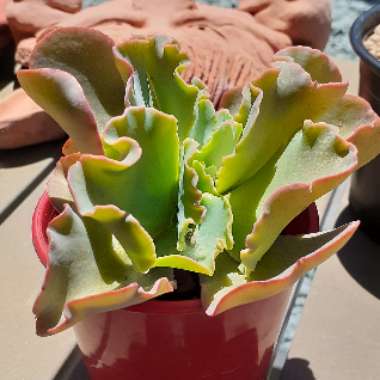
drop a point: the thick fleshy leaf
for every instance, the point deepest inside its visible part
(285, 262)
(199, 170)
(69, 147)
(123, 149)
(238, 102)
(80, 282)
(136, 242)
(87, 55)
(158, 64)
(206, 183)
(220, 143)
(58, 187)
(208, 239)
(315, 161)
(207, 120)
(203, 161)
(320, 67)
(190, 210)
(62, 97)
(148, 188)
(356, 120)
(243, 104)
(289, 98)
(359, 125)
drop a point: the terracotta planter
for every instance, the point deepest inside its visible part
(175, 339)
(364, 194)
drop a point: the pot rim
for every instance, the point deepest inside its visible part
(43, 212)
(358, 30)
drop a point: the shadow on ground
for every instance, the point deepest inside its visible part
(73, 368)
(28, 155)
(297, 369)
(361, 257)
(21, 157)
(7, 66)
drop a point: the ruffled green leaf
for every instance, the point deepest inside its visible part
(157, 82)
(243, 104)
(57, 186)
(208, 239)
(62, 97)
(80, 280)
(221, 143)
(146, 189)
(206, 183)
(356, 120)
(207, 120)
(315, 161)
(289, 98)
(198, 175)
(320, 67)
(87, 55)
(359, 125)
(132, 237)
(284, 263)
(304, 85)
(204, 161)
(190, 210)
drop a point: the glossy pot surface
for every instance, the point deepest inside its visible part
(176, 340)
(170, 340)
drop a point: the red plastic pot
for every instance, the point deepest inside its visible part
(170, 340)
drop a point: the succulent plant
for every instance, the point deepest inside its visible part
(154, 180)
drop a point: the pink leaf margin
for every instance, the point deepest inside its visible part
(257, 290)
